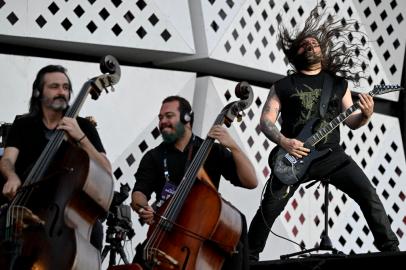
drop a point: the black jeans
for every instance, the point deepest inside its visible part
(345, 175)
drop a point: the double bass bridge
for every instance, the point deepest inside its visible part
(161, 258)
(21, 218)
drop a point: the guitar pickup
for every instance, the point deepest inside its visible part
(291, 159)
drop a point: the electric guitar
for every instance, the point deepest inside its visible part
(289, 169)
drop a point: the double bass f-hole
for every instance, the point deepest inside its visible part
(179, 238)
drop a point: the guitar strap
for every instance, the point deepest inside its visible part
(328, 85)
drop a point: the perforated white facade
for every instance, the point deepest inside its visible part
(167, 46)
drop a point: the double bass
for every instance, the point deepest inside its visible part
(196, 228)
(47, 225)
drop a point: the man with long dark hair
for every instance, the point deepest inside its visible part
(318, 53)
(30, 133)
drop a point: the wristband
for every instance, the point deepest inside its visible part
(78, 141)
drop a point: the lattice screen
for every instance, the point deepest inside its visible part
(139, 24)
(244, 33)
(383, 21)
(241, 33)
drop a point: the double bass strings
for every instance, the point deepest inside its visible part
(176, 203)
(15, 213)
(191, 173)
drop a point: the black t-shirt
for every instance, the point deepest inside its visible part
(300, 95)
(30, 136)
(150, 174)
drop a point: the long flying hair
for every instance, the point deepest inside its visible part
(341, 43)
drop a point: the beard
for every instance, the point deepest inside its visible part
(307, 59)
(58, 103)
(171, 137)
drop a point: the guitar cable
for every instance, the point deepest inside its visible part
(269, 183)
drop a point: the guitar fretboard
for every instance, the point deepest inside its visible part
(323, 132)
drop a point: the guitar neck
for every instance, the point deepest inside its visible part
(323, 132)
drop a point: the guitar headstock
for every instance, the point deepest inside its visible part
(381, 89)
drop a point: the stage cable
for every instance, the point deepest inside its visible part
(269, 183)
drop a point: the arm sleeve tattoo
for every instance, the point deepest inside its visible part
(268, 127)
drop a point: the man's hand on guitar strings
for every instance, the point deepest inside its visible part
(294, 147)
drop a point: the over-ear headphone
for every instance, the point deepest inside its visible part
(36, 86)
(36, 93)
(186, 117)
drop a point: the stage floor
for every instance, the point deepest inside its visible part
(390, 260)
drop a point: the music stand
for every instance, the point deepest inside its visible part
(325, 241)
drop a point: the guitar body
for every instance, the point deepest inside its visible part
(289, 169)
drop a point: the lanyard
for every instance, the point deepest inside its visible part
(189, 159)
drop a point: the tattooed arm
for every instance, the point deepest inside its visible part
(269, 115)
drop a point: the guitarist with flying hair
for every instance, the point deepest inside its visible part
(324, 60)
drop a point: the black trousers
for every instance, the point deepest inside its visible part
(345, 175)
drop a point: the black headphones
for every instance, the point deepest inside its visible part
(35, 87)
(36, 93)
(186, 117)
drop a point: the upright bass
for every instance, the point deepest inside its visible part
(48, 223)
(197, 228)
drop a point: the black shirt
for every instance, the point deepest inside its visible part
(300, 95)
(30, 136)
(150, 174)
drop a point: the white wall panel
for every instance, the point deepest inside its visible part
(240, 38)
(384, 21)
(121, 114)
(141, 26)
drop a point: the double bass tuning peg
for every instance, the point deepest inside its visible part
(111, 89)
(240, 115)
(109, 84)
